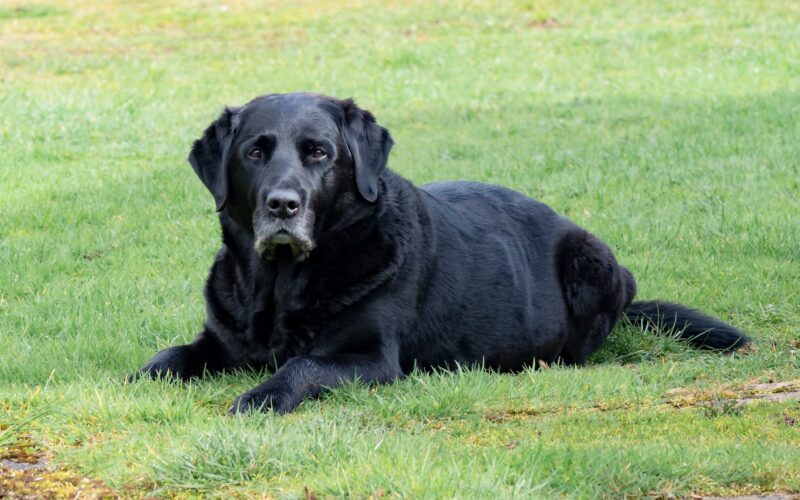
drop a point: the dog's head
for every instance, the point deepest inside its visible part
(275, 164)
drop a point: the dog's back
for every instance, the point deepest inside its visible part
(493, 251)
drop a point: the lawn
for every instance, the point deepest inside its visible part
(670, 129)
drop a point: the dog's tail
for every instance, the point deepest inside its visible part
(689, 324)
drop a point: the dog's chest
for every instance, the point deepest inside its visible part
(294, 313)
(290, 337)
(284, 323)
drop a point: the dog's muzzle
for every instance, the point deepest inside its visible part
(269, 245)
(282, 222)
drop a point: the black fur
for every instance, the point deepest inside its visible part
(372, 276)
(699, 329)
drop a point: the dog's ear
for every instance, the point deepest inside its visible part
(209, 155)
(369, 146)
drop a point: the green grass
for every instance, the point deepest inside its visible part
(670, 129)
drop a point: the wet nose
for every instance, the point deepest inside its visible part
(283, 203)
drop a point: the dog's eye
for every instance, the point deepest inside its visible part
(318, 153)
(254, 153)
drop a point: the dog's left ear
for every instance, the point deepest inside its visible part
(369, 146)
(209, 155)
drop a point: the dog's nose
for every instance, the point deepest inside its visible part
(283, 203)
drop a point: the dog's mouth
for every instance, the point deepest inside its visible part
(282, 241)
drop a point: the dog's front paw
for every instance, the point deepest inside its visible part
(171, 362)
(263, 401)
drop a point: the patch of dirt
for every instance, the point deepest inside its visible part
(774, 391)
(716, 403)
(22, 451)
(681, 397)
(545, 24)
(748, 394)
(26, 473)
(500, 416)
(511, 445)
(623, 405)
(93, 255)
(7, 463)
(504, 415)
(100, 252)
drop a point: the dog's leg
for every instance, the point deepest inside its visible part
(203, 354)
(307, 376)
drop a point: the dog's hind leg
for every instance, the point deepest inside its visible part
(596, 289)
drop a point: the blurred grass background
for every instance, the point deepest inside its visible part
(669, 129)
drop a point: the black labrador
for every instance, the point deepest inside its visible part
(334, 268)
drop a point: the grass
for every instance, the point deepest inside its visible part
(668, 128)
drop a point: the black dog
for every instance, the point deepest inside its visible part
(334, 268)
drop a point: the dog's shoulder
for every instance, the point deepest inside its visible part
(379, 239)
